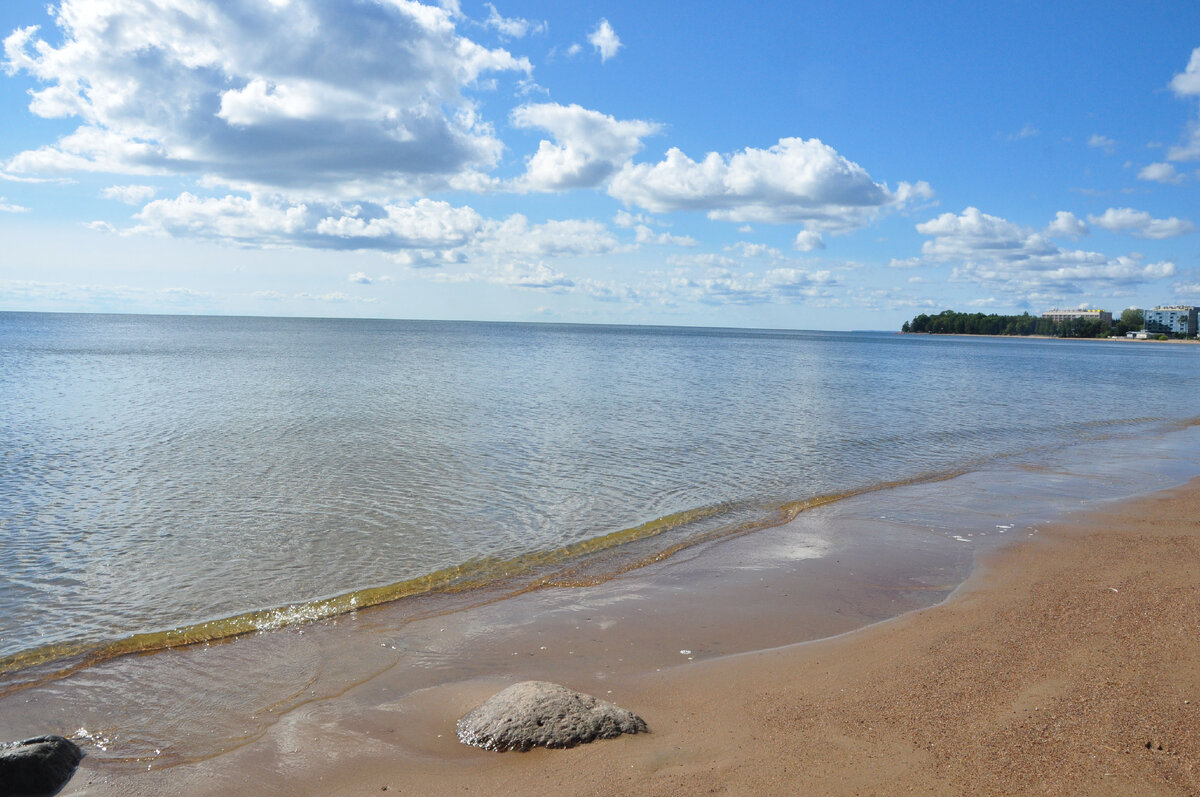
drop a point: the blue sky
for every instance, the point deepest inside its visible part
(769, 164)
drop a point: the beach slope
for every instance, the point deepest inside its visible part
(1066, 664)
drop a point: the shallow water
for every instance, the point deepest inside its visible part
(160, 473)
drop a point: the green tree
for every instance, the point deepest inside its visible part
(1133, 318)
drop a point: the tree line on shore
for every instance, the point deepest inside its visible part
(949, 322)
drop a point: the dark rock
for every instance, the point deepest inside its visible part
(543, 714)
(39, 766)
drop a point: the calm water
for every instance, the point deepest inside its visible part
(159, 473)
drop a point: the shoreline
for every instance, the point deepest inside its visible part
(388, 729)
(1065, 664)
(1047, 337)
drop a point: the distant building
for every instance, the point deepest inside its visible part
(1058, 316)
(1173, 320)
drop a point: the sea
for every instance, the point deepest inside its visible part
(167, 480)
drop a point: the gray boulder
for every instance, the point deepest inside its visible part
(543, 714)
(39, 766)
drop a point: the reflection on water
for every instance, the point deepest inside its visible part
(162, 472)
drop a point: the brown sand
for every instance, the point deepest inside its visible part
(1068, 664)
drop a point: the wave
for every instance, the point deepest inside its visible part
(586, 563)
(580, 564)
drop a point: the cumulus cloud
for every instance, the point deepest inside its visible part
(1020, 261)
(808, 240)
(605, 40)
(1187, 84)
(588, 146)
(512, 27)
(645, 235)
(129, 194)
(312, 94)
(274, 221)
(1141, 224)
(360, 278)
(515, 241)
(517, 237)
(704, 260)
(1160, 173)
(776, 285)
(1066, 225)
(796, 180)
(714, 286)
(749, 250)
(627, 220)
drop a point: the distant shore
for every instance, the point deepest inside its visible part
(1046, 337)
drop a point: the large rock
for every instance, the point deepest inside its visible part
(38, 766)
(543, 714)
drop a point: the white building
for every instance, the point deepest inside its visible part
(1058, 316)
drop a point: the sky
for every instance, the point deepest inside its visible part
(767, 164)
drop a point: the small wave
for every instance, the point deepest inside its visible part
(586, 563)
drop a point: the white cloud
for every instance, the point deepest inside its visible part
(796, 180)
(747, 250)
(628, 221)
(273, 221)
(808, 240)
(605, 40)
(588, 146)
(516, 237)
(704, 260)
(336, 297)
(8, 207)
(1021, 261)
(777, 285)
(1187, 84)
(1141, 224)
(645, 235)
(1161, 173)
(360, 278)
(303, 95)
(696, 279)
(1066, 225)
(130, 194)
(536, 276)
(512, 27)
(539, 276)
(1105, 143)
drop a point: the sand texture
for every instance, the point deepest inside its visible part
(1067, 664)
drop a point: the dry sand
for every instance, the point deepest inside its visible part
(1067, 664)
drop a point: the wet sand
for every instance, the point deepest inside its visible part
(1068, 663)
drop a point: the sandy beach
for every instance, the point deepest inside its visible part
(1068, 663)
